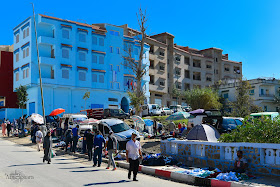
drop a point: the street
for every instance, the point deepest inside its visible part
(65, 170)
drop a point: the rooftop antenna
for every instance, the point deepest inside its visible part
(50, 13)
(83, 20)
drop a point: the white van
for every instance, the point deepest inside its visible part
(71, 120)
(151, 110)
(176, 108)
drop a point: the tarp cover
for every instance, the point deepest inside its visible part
(204, 132)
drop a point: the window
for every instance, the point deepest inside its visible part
(252, 92)
(265, 108)
(112, 85)
(101, 41)
(111, 67)
(226, 68)
(94, 59)
(17, 38)
(226, 95)
(161, 53)
(217, 72)
(187, 60)
(187, 74)
(208, 79)
(101, 59)
(27, 31)
(161, 67)
(82, 37)
(111, 49)
(208, 66)
(196, 63)
(101, 78)
(187, 86)
(17, 56)
(27, 72)
(94, 77)
(2, 101)
(65, 53)
(82, 76)
(152, 79)
(178, 85)
(65, 33)
(115, 33)
(23, 53)
(236, 70)
(162, 83)
(125, 64)
(178, 58)
(94, 40)
(17, 76)
(119, 68)
(216, 59)
(152, 64)
(196, 76)
(23, 74)
(24, 34)
(65, 73)
(178, 71)
(118, 85)
(82, 56)
(136, 51)
(27, 52)
(118, 50)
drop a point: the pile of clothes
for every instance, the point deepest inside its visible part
(60, 144)
(158, 160)
(227, 176)
(198, 172)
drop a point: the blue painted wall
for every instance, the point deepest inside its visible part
(67, 92)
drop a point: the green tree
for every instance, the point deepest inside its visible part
(176, 93)
(22, 97)
(86, 97)
(243, 105)
(136, 101)
(205, 98)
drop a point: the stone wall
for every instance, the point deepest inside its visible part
(262, 158)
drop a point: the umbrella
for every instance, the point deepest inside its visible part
(90, 120)
(138, 122)
(178, 116)
(148, 122)
(198, 111)
(57, 111)
(37, 118)
(204, 132)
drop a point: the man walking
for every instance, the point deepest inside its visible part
(75, 138)
(111, 145)
(98, 142)
(133, 152)
(89, 137)
(69, 139)
(39, 136)
(9, 127)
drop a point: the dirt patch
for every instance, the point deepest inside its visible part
(151, 146)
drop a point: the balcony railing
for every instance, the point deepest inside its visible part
(266, 95)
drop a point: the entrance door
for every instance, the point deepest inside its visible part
(125, 105)
(31, 108)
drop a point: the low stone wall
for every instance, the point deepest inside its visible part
(262, 158)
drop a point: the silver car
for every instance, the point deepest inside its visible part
(166, 111)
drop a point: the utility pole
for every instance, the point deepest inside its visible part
(39, 67)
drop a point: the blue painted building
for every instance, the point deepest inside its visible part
(75, 58)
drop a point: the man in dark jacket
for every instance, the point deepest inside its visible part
(47, 145)
(68, 139)
(89, 138)
(98, 144)
(9, 127)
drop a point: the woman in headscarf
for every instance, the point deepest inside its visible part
(47, 145)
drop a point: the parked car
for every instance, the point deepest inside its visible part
(71, 120)
(121, 131)
(176, 108)
(229, 123)
(166, 111)
(186, 108)
(151, 110)
(270, 115)
(115, 113)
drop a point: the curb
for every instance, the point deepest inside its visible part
(175, 176)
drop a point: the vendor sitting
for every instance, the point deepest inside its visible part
(240, 164)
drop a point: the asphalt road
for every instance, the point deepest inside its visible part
(17, 160)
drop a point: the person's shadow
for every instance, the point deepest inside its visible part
(104, 183)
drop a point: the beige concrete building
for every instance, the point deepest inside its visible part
(182, 67)
(263, 92)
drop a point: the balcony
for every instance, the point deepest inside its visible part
(47, 60)
(266, 95)
(46, 40)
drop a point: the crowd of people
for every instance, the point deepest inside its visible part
(14, 127)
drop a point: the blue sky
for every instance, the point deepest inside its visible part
(248, 30)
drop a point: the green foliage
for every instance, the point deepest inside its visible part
(136, 101)
(263, 130)
(22, 96)
(243, 105)
(162, 120)
(205, 98)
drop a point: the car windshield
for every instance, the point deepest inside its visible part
(79, 120)
(238, 122)
(173, 107)
(229, 121)
(120, 127)
(121, 111)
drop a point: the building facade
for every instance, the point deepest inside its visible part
(8, 98)
(173, 66)
(262, 93)
(74, 58)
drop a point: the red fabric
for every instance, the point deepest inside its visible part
(57, 111)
